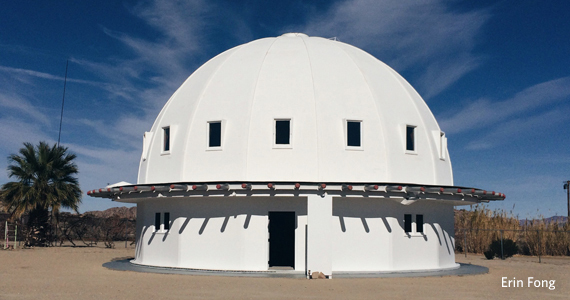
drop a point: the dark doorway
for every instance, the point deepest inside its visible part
(282, 239)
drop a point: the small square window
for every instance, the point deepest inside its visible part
(166, 221)
(410, 138)
(407, 223)
(157, 221)
(282, 132)
(166, 139)
(215, 134)
(353, 134)
(420, 223)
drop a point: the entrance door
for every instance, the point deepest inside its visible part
(282, 239)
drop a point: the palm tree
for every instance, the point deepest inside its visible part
(45, 182)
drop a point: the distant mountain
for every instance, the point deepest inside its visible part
(554, 219)
(122, 212)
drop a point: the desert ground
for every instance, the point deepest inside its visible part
(76, 273)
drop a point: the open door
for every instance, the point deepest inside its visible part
(282, 239)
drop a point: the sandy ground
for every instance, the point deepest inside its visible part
(76, 273)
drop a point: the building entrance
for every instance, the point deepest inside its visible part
(282, 239)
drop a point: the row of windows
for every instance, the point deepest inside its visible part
(282, 135)
(162, 222)
(408, 223)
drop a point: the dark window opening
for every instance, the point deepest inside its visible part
(410, 138)
(166, 221)
(407, 223)
(419, 223)
(215, 134)
(353, 133)
(282, 239)
(166, 135)
(282, 132)
(442, 145)
(157, 221)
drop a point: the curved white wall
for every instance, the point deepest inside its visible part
(318, 84)
(224, 233)
(231, 233)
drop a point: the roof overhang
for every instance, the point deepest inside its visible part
(406, 194)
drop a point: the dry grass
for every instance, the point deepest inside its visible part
(533, 238)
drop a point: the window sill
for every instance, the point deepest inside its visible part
(414, 234)
(282, 146)
(214, 149)
(161, 231)
(411, 152)
(165, 153)
(354, 148)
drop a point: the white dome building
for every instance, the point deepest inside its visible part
(297, 152)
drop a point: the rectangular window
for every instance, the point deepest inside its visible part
(410, 138)
(166, 139)
(353, 133)
(442, 145)
(157, 221)
(215, 134)
(420, 223)
(166, 221)
(407, 223)
(282, 132)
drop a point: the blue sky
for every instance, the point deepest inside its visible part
(496, 74)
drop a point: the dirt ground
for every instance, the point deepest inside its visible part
(76, 273)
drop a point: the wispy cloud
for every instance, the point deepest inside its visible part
(25, 76)
(109, 138)
(425, 36)
(144, 79)
(26, 72)
(16, 103)
(16, 131)
(524, 127)
(165, 60)
(99, 166)
(484, 112)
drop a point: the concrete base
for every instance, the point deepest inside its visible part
(126, 265)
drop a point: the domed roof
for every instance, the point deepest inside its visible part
(295, 108)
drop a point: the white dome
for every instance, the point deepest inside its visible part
(317, 84)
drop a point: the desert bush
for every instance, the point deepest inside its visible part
(509, 249)
(484, 225)
(477, 228)
(489, 254)
(80, 229)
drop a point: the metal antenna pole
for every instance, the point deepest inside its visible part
(568, 199)
(62, 103)
(567, 188)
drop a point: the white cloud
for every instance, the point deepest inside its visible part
(421, 35)
(483, 112)
(42, 75)
(99, 166)
(22, 106)
(17, 131)
(145, 79)
(523, 127)
(182, 36)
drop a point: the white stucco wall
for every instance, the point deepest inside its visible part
(218, 233)
(369, 236)
(344, 234)
(320, 234)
